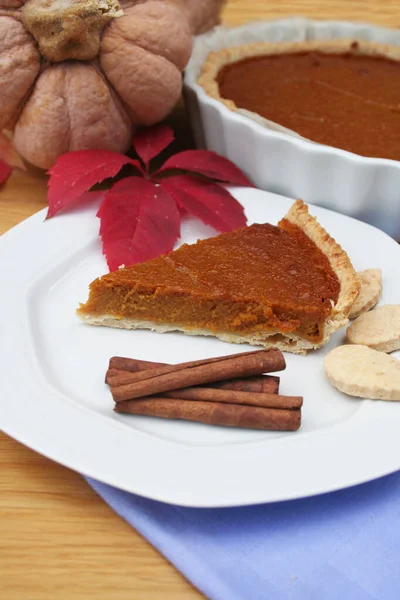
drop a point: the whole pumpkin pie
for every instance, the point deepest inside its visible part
(340, 93)
(288, 286)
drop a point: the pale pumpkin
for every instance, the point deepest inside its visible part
(81, 74)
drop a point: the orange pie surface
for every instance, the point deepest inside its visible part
(264, 284)
(340, 93)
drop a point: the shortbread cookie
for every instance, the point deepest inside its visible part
(378, 329)
(370, 292)
(362, 372)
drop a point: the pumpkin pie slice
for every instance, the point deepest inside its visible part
(288, 286)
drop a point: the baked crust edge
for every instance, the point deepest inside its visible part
(291, 343)
(340, 262)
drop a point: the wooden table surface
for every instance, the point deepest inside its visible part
(58, 540)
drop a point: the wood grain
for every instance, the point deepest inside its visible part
(380, 12)
(58, 540)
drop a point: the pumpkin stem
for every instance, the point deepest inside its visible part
(68, 29)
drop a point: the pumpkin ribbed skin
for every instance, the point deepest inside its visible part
(146, 69)
(135, 78)
(71, 107)
(19, 67)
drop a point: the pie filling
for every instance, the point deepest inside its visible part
(344, 100)
(261, 279)
(212, 315)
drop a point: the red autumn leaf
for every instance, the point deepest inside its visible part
(139, 220)
(207, 163)
(76, 172)
(150, 142)
(140, 215)
(5, 172)
(208, 201)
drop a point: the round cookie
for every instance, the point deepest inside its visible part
(379, 329)
(370, 292)
(362, 372)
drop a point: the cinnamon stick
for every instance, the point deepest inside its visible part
(140, 372)
(235, 397)
(134, 365)
(163, 379)
(213, 413)
(268, 384)
(264, 383)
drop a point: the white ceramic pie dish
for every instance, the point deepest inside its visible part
(364, 188)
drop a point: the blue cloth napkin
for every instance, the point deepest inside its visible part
(344, 545)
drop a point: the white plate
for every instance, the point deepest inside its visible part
(53, 398)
